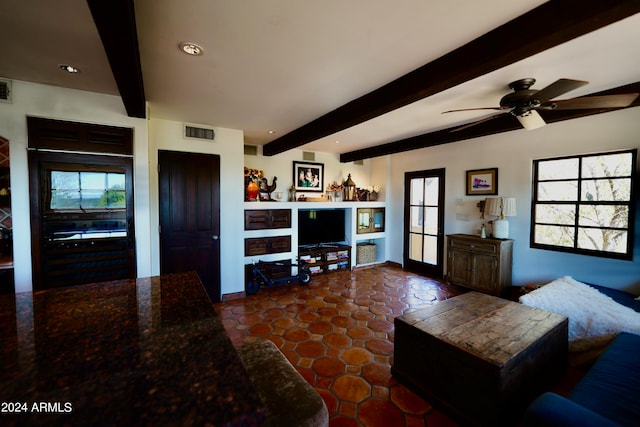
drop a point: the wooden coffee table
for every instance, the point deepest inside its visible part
(480, 358)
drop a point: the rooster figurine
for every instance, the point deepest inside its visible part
(266, 189)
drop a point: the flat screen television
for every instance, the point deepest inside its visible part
(321, 226)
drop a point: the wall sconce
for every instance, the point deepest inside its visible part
(349, 189)
(500, 207)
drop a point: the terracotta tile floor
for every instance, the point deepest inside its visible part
(338, 333)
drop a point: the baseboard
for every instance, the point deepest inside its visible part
(233, 296)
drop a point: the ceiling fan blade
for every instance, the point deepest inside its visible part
(477, 122)
(557, 88)
(604, 101)
(479, 108)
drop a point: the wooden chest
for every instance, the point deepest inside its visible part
(481, 358)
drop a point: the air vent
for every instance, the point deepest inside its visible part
(358, 162)
(194, 132)
(251, 150)
(309, 156)
(5, 91)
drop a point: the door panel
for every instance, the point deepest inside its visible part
(190, 216)
(424, 222)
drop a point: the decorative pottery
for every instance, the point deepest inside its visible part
(252, 191)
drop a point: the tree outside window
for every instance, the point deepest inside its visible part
(584, 204)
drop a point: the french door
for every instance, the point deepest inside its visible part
(424, 222)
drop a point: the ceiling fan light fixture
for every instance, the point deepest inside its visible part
(531, 120)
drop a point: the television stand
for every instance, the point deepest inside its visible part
(325, 258)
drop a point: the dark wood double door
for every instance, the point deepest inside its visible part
(190, 216)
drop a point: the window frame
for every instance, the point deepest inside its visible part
(631, 204)
(80, 169)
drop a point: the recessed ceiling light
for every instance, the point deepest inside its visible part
(69, 68)
(271, 132)
(191, 49)
(337, 141)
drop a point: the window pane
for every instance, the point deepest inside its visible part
(90, 199)
(430, 220)
(556, 214)
(65, 180)
(415, 247)
(65, 190)
(416, 219)
(114, 199)
(115, 180)
(417, 191)
(607, 165)
(604, 216)
(554, 235)
(562, 191)
(432, 192)
(364, 220)
(612, 190)
(558, 169)
(93, 180)
(430, 250)
(602, 240)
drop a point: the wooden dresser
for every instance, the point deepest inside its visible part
(480, 264)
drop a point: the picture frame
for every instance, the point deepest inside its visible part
(482, 182)
(308, 177)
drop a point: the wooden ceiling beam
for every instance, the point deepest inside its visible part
(116, 23)
(544, 27)
(504, 123)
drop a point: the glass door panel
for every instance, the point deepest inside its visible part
(424, 242)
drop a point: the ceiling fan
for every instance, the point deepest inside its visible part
(523, 103)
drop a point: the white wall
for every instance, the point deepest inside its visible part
(228, 144)
(31, 99)
(512, 153)
(281, 166)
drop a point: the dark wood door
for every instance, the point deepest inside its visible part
(190, 216)
(424, 222)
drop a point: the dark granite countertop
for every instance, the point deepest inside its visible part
(131, 352)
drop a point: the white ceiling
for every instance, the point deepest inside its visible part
(279, 64)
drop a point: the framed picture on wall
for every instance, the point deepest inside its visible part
(482, 182)
(308, 176)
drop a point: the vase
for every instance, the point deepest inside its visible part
(252, 191)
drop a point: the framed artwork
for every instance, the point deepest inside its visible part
(482, 182)
(308, 176)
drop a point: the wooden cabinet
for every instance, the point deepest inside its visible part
(325, 259)
(370, 220)
(266, 219)
(5, 185)
(480, 264)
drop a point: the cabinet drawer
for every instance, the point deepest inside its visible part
(474, 246)
(267, 245)
(267, 219)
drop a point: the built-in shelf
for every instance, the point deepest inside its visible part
(275, 228)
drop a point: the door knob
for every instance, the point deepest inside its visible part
(215, 237)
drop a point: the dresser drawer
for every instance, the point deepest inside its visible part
(474, 246)
(267, 245)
